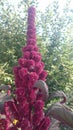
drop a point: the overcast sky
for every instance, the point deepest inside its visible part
(43, 3)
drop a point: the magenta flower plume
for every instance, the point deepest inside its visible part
(26, 110)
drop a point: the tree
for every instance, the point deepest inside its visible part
(58, 45)
(12, 38)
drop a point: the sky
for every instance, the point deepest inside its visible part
(43, 3)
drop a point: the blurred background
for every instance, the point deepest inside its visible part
(54, 30)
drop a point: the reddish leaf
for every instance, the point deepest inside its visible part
(61, 113)
(54, 124)
(40, 84)
(60, 94)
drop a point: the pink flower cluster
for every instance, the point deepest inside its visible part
(27, 107)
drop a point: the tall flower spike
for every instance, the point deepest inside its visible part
(27, 108)
(31, 30)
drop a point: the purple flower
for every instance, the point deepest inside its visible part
(43, 75)
(32, 96)
(20, 92)
(24, 109)
(33, 77)
(25, 124)
(32, 54)
(44, 124)
(37, 58)
(27, 106)
(22, 62)
(23, 72)
(30, 65)
(31, 41)
(31, 10)
(15, 70)
(38, 68)
(38, 117)
(26, 55)
(2, 124)
(12, 128)
(28, 48)
(39, 104)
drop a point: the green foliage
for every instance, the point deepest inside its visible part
(57, 36)
(13, 26)
(54, 37)
(12, 38)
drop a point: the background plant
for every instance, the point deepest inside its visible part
(55, 39)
